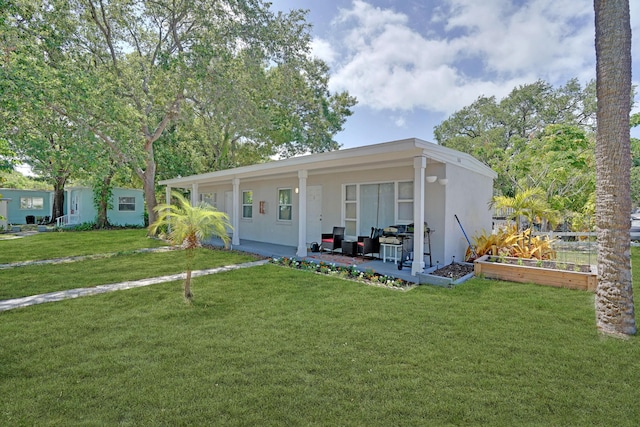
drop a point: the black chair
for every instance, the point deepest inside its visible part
(370, 245)
(333, 241)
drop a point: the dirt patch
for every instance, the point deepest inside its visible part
(454, 271)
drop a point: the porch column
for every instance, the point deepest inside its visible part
(419, 165)
(167, 198)
(235, 216)
(194, 194)
(302, 213)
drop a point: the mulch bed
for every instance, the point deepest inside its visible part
(453, 271)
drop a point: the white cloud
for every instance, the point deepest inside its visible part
(324, 50)
(486, 48)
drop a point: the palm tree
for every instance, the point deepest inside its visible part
(188, 226)
(614, 293)
(529, 203)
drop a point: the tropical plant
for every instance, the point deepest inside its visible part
(509, 241)
(188, 226)
(530, 203)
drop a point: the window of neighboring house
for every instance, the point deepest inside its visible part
(247, 204)
(126, 204)
(34, 203)
(285, 204)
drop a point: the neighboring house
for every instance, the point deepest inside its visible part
(4, 204)
(293, 201)
(26, 205)
(127, 206)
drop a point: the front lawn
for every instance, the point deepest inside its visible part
(274, 346)
(56, 245)
(40, 279)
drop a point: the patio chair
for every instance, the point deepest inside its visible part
(333, 241)
(370, 245)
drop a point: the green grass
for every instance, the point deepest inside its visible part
(56, 245)
(273, 346)
(34, 280)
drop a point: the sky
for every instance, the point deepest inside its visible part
(413, 63)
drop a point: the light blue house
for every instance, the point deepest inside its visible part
(127, 206)
(26, 206)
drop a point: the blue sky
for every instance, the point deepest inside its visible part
(412, 63)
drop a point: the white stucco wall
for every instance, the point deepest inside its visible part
(468, 196)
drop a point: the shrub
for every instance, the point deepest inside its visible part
(513, 243)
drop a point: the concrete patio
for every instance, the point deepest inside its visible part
(388, 268)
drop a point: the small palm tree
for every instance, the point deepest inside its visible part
(188, 226)
(530, 203)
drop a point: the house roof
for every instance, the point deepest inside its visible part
(387, 154)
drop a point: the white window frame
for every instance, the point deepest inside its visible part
(210, 198)
(122, 203)
(290, 205)
(403, 201)
(397, 201)
(248, 205)
(29, 204)
(355, 204)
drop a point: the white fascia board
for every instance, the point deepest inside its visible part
(384, 152)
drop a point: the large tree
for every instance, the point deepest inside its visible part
(502, 133)
(132, 70)
(614, 293)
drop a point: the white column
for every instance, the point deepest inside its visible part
(194, 194)
(167, 198)
(302, 213)
(419, 165)
(235, 240)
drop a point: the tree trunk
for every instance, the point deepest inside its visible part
(187, 286)
(148, 178)
(57, 210)
(614, 294)
(102, 221)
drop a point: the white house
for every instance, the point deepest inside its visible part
(293, 201)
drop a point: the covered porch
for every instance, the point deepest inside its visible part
(271, 250)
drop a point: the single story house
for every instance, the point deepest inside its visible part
(127, 206)
(22, 206)
(294, 201)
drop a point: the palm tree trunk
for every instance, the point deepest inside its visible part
(187, 286)
(614, 293)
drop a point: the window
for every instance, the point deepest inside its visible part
(247, 204)
(376, 205)
(35, 203)
(350, 209)
(126, 204)
(405, 202)
(209, 198)
(285, 204)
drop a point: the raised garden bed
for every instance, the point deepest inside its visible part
(549, 273)
(448, 276)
